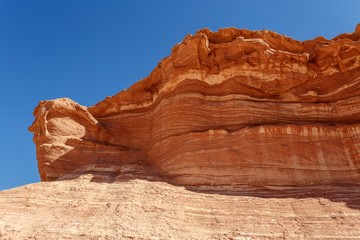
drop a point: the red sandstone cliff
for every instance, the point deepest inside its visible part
(232, 107)
(236, 135)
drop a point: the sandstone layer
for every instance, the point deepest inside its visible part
(233, 107)
(145, 209)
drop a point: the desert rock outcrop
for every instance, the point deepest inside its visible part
(85, 208)
(233, 107)
(237, 134)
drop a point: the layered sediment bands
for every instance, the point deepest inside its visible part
(235, 107)
(265, 155)
(70, 139)
(136, 209)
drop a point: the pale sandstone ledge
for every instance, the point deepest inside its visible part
(233, 107)
(93, 207)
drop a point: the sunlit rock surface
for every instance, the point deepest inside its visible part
(91, 208)
(237, 134)
(233, 107)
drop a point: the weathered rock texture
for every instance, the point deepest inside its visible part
(234, 107)
(137, 209)
(237, 135)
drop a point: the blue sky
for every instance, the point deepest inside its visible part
(87, 50)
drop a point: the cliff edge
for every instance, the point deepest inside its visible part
(233, 107)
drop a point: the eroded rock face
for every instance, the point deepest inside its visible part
(85, 209)
(233, 107)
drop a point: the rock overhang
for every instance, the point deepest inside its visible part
(227, 107)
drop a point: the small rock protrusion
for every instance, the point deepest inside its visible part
(311, 93)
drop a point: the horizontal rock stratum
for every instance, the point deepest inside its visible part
(138, 209)
(237, 134)
(233, 107)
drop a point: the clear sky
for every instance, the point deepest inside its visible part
(87, 50)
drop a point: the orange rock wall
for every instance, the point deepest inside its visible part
(234, 107)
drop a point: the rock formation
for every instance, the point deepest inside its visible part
(233, 107)
(237, 134)
(137, 209)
